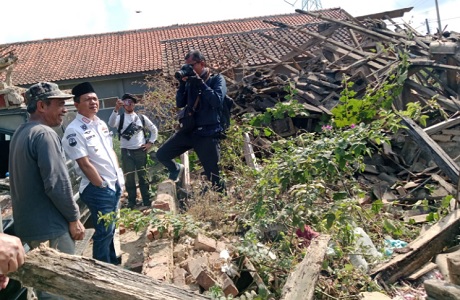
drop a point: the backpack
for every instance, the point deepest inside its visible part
(224, 113)
(141, 116)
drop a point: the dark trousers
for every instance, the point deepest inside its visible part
(206, 147)
(135, 161)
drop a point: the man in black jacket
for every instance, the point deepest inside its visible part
(204, 93)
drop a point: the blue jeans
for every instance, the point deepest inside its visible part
(103, 200)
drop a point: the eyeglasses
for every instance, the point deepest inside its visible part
(128, 102)
(193, 64)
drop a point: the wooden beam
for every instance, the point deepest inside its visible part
(249, 155)
(442, 125)
(300, 285)
(82, 278)
(441, 158)
(451, 104)
(366, 31)
(422, 250)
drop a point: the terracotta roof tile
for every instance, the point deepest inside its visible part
(146, 50)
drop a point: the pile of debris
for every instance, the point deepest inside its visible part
(417, 157)
(367, 53)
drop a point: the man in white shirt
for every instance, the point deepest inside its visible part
(137, 135)
(88, 141)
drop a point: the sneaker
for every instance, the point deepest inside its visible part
(175, 176)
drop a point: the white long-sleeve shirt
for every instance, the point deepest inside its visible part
(137, 140)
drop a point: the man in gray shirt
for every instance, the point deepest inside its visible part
(43, 206)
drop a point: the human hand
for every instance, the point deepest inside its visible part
(12, 255)
(147, 146)
(3, 281)
(77, 230)
(118, 104)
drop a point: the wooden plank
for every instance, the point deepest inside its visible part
(249, 155)
(375, 35)
(432, 64)
(332, 46)
(422, 250)
(442, 125)
(358, 54)
(82, 278)
(441, 158)
(449, 188)
(310, 43)
(397, 13)
(300, 284)
(354, 38)
(425, 269)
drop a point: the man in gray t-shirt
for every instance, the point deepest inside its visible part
(43, 206)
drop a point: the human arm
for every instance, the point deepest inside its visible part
(213, 91)
(114, 118)
(90, 171)
(51, 162)
(153, 134)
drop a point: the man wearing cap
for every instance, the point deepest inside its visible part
(43, 206)
(88, 141)
(135, 142)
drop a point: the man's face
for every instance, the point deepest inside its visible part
(197, 66)
(53, 114)
(128, 105)
(88, 105)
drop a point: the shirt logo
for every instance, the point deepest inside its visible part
(84, 127)
(86, 120)
(70, 135)
(72, 142)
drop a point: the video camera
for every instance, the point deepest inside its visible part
(185, 71)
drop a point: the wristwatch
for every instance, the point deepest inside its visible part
(104, 184)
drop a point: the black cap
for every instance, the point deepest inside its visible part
(129, 96)
(81, 89)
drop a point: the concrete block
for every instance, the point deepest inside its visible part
(228, 287)
(200, 272)
(205, 243)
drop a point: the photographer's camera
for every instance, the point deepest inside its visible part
(185, 71)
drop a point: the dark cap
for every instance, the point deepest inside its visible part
(43, 91)
(129, 96)
(81, 89)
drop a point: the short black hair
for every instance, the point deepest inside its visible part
(196, 55)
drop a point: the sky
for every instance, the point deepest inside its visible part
(26, 20)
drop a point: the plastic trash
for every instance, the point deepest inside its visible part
(365, 247)
(391, 244)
